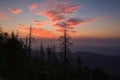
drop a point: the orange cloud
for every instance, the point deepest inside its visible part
(34, 6)
(38, 32)
(3, 15)
(15, 10)
(37, 23)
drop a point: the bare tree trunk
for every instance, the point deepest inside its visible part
(65, 47)
(30, 38)
(26, 42)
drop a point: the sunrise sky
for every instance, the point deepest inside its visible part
(86, 19)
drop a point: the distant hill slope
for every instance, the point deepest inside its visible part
(109, 64)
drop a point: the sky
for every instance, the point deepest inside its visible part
(93, 23)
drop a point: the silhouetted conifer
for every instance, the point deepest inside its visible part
(65, 43)
(54, 54)
(26, 43)
(37, 58)
(42, 54)
(30, 39)
(49, 54)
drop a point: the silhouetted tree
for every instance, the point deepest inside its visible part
(30, 39)
(37, 58)
(42, 54)
(65, 43)
(54, 54)
(26, 43)
(49, 54)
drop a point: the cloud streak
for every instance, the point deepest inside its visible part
(15, 10)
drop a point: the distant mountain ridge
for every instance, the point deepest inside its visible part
(110, 64)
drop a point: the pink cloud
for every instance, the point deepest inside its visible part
(15, 10)
(3, 15)
(56, 10)
(34, 6)
(62, 9)
(70, 23)
(58, 18)
(51, 14)
(67, 8)
(38, 23)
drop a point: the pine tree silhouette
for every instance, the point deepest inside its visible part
(30, 39)
(42, 53)
(49, 54)
(65, 44)
(54, 55)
